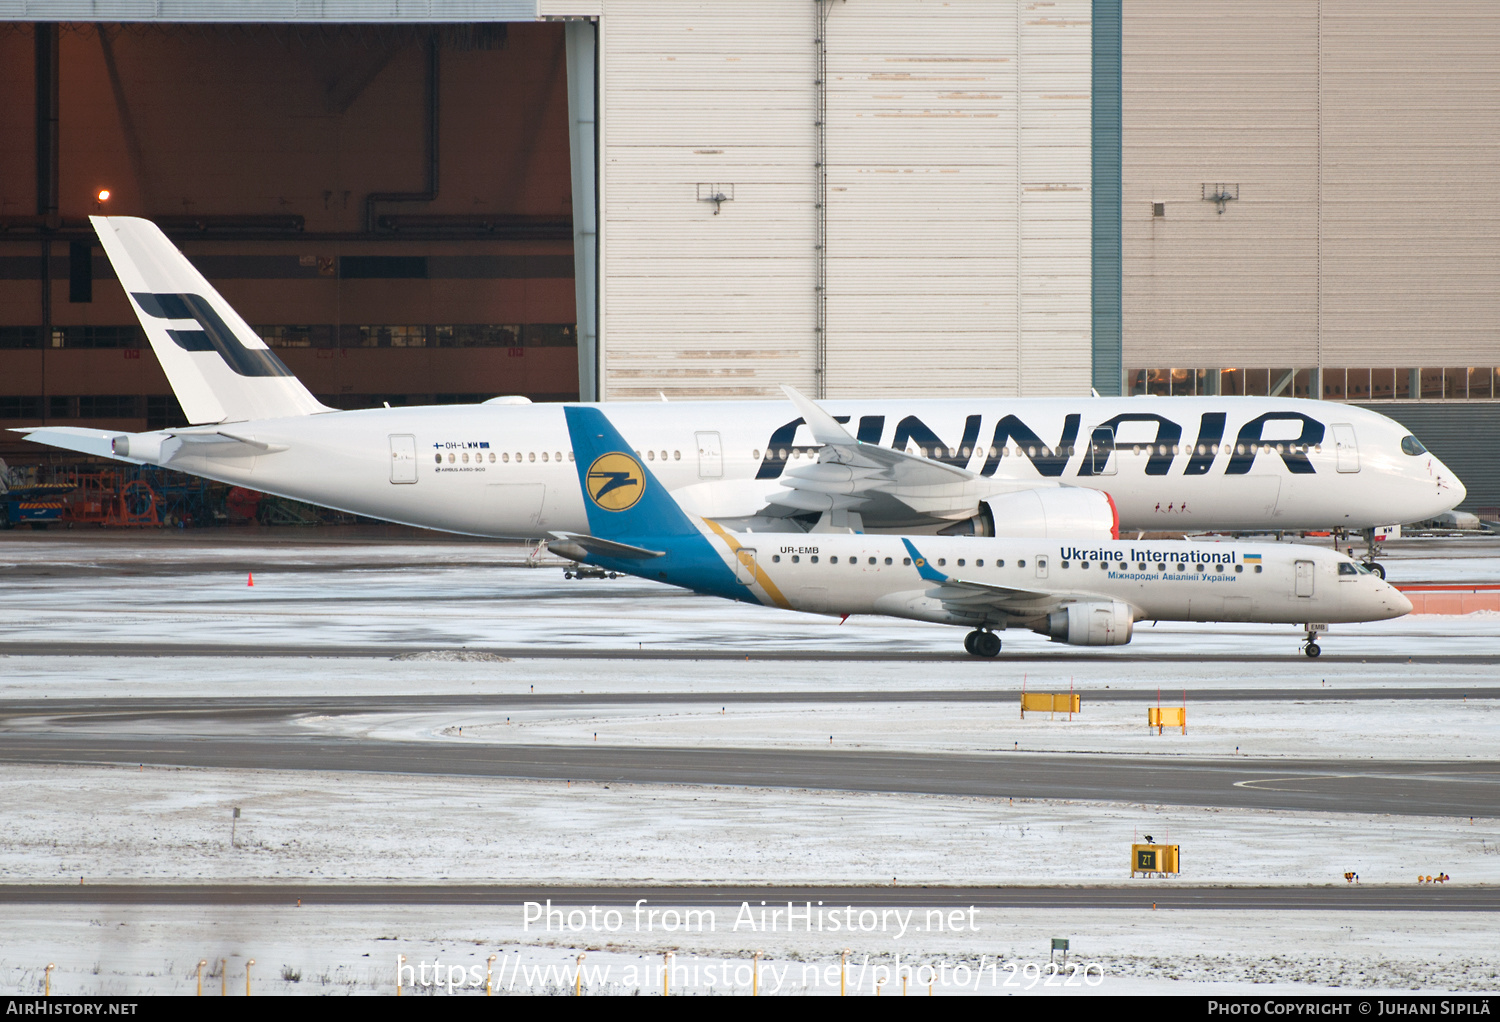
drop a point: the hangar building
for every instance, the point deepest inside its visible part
(438, 200)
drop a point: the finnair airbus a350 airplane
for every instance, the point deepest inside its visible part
(1088, 594)
(1079, 468)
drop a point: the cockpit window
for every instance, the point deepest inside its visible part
(1411, 445)
(1347, 568)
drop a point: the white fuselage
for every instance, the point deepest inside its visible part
(1166, 581)
(505, 470)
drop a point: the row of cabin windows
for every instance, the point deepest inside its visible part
(504, 456)
(782, 453)
(942, 562)
(1159, 565)
(936, 452)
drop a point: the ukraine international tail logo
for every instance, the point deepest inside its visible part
(616, 481)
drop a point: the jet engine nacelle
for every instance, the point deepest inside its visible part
(1062, 512)
(1092, 624)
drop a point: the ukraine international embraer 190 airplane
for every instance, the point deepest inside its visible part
(1080, 468)
(1086, 594)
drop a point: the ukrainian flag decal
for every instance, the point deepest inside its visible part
(1252, 558)
(616, 481)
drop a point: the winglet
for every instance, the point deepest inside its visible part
(825, 428)
(926, 570)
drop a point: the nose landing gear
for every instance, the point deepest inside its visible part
(982, 642)
(1376, 568)
(1310, 644)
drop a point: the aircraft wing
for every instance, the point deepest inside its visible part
(851, 474)
(966, 597)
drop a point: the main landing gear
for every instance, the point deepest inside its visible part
(982, 642)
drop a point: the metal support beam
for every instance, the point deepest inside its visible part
(583, 140)
(1106, 319)
(47, 78)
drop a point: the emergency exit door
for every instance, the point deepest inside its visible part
(403, 459)
(1304, 578)
(1346, 446)
(710, 456)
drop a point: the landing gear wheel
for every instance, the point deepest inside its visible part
(986, 644)
(1377, 569)
(969, 642)
(1312, 650)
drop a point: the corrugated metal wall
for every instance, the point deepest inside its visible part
(948, 125)
(1361, 139)
(698, 99)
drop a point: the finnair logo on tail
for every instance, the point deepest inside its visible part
(214, 335)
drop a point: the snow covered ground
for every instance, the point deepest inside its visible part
(463, 594)
(1356, 729)
(155, 950)
(58, 823)
(164, 824)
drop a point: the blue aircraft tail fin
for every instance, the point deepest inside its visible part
(623, 499)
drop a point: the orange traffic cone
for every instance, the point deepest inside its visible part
(252, 579)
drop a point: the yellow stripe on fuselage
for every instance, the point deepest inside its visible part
(761, 578)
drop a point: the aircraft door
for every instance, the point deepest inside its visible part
(1304, 578)
(744, 565)
(1347, 447)
(710, 456)
(403, 459)
(1101, 452)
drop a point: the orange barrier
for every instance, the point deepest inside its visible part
(1167, 716)
(1451, 601)
(1050, 702)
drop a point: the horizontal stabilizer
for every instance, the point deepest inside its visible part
(97, 442)
(157, 448)
(595, 545)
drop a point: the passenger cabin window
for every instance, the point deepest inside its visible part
(1257, 569)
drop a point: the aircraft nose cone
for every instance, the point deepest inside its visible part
(1456, 487)
(1396, 600)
